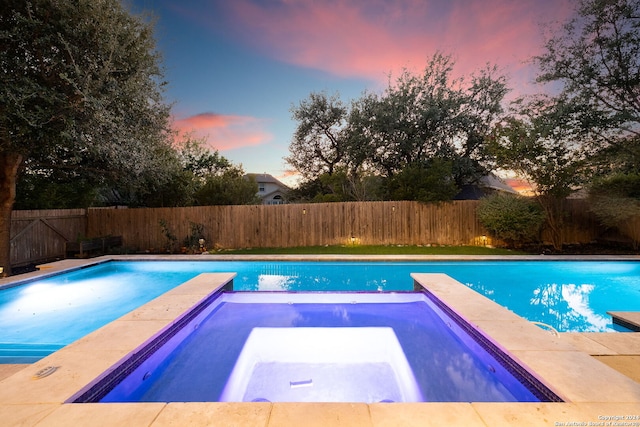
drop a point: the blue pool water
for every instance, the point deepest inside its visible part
(43, 316)
(398, 347)
(39, 317)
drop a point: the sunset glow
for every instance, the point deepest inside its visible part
(251, 60)
(224, 132)
(369, 39)
(522, 186)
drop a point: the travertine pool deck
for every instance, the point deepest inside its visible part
(577, 367)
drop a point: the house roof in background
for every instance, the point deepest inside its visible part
(267, 179)
(495, 183)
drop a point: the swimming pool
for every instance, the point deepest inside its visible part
(330, 347)
(41, 316)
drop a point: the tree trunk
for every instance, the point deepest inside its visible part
(554, 209)
(9, 165)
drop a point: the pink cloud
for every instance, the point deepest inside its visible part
(290, 177)
(224, 132)
(289, 172)
(341, 37)
(370, 38)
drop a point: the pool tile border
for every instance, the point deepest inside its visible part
(591, 389)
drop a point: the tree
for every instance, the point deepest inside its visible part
(596, 58)
(214, 179)
(230, 187)
(592, 126)
(318, 144)
(481, 111)
(162, 182)
(326, 153)
(415, 118)
(541, 143)
(199, 160)
(430, 115)
(179, 185)
(189, 169)
(80, 88)
(195, 173)
(430, 181)
(53, 189)
(417, 122)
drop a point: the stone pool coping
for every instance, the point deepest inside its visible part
(592, 390)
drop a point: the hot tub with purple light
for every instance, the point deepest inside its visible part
(318, 347)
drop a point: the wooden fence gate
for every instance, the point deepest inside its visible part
(40, 235)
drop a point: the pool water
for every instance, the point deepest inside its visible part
(570, 296)
(42, 316)
(321, 348)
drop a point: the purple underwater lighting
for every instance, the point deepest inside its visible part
(317, 347)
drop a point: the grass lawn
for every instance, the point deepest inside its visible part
(374, 250)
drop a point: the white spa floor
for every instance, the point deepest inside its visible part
(574, 366)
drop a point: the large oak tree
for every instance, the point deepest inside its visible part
(423, 137)
(80, 88)
(595, 58)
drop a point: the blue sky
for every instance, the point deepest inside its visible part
(236, 67)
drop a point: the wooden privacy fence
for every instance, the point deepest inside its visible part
(40, 235)
(366, 223)
(579, 224)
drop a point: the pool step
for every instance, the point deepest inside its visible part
(628, 319)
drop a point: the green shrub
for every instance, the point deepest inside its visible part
(615, 201)
(620, 185)
(192, 241)
(514, 219)
(171, 239)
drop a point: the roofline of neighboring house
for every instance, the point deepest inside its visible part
(268, 179)
(494, 182)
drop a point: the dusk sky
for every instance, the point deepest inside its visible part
(236, 67)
